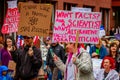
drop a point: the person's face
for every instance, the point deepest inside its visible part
(104, 43)
(118, 43)
(114, 48)
(4, 72)
(9, 42)
(28, 40)
(99, 44)
(69, 48)
(48, 42)
(113, 29)
(106, 64)
(54, 44)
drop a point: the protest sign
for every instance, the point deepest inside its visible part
(35, 19)
(96, 66)
(12, 18)
(67, 23)
(96, 63)
(79, 9)
(102, 32)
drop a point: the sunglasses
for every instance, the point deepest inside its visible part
(27, 37)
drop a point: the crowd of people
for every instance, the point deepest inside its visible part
(59, 60)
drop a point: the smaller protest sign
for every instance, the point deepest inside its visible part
(97, 63)
(102, 32)
(96, 66)
(79, 9)
(12, 18)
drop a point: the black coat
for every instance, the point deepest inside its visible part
(59, 51)
(27, 67)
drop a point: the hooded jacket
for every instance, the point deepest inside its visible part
(4, 77)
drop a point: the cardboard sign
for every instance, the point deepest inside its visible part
(12, 18)
(34, 19)
(67, 23)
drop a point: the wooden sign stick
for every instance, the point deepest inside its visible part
(76, 43)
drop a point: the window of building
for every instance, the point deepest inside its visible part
(105, 18)
(67, 6)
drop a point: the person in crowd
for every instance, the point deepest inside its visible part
(112, 31)
(48, 42)
(44, 51)
(117, 42)
(4, 73)
(117, 30)
(62, 44)
(113, 52)
(59, 51)
(105, 43)
(5, 52)
(78, 66)
(98, 49)
(28, 60)
(107, 72)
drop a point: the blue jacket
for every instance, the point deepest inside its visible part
(103, 51)
(7, 76)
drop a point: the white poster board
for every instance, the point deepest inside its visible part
(67, 23)
(96, 66)
(79, 9)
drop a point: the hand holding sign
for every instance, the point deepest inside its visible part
(30, 51)
(74, 59)
(55, 58)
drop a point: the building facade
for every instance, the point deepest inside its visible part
(115, 16)
(103, 6)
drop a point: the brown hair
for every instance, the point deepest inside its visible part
(111, 45)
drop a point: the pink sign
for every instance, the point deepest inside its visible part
(67, 23)
(11, 20)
